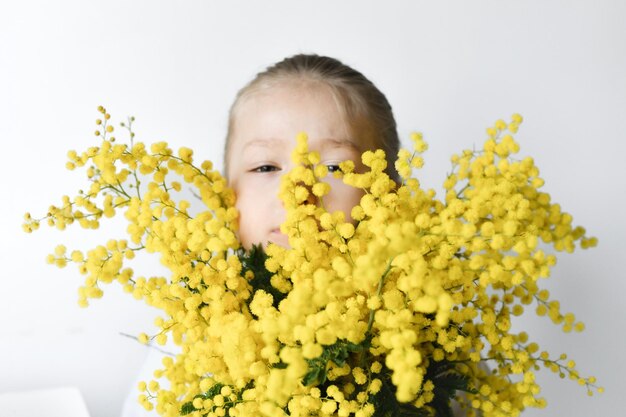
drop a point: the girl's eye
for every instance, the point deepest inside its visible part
(265, 168)
(333, 168)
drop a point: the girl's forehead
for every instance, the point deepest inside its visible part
(288, 93)
(316, 143)
(283, 112)
(270, 118)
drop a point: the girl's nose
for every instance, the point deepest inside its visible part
(311, 198)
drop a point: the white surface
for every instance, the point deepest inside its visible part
(449, 69)
(53, 402)
(132, 408)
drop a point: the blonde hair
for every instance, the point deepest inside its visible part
(361, 102)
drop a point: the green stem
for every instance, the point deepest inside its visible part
(370, 321)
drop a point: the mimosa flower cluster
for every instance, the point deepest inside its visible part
(398, 311)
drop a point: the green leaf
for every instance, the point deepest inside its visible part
(311, 376)
(387, 405)
(447, 380)
(187, 408)
(212, 392)
(337, 353)
(254, 261)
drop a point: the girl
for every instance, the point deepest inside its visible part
(343, 114)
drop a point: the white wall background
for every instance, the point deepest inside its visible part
(449, 68)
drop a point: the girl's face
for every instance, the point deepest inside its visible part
(262, 139)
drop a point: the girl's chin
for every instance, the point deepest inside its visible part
(278, 238)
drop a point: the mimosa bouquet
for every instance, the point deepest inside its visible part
(401, 311)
